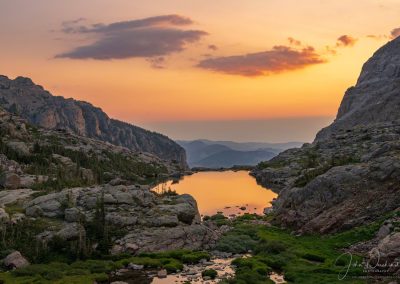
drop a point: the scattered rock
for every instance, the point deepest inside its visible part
(162, 273)
(135, 266)
(17, 217)
(10, 180)
(268, 210)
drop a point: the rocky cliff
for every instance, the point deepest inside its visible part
(22, 97)
(350, 174)
(376, 96)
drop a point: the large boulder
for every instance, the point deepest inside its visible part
(192, 237)
(15, 260)
(150, 222)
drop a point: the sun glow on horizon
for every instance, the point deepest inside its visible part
(232, 62)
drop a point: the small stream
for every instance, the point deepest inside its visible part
(190, 274)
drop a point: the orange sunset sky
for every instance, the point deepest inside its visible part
(254, 70)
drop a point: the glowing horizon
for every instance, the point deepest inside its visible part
(173, 61)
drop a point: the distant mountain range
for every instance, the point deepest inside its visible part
(225, 154)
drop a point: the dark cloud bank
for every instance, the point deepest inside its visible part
(150, 37)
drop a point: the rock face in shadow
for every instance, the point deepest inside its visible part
(350, 174)
(22, 97)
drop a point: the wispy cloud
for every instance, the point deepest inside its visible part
(212, 47)
(294, 41)
(278, 59)
(346, 40)
(153, 37)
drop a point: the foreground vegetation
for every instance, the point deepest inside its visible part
(87, 271)
(302, 259)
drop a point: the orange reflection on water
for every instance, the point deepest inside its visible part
(224, 191)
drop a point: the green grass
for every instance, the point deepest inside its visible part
(87, 271)
(304, 259)
(219, 219)
(67, 279)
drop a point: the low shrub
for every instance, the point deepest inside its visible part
(195, 257)
(53, 275)
(313, 257)
(76, 271)
(236, 243)
(209, 273)
(273, 247)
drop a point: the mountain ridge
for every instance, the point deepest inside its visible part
(32, 102)
(226, 154)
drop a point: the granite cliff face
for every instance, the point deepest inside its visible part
(376, 96)
(21, 96)
(350, 174)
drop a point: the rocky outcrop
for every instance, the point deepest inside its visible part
(149, 222)
(21, 96)
(350, 174)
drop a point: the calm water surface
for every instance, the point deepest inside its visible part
(226, 192)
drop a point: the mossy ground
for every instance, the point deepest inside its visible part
(302, 259)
